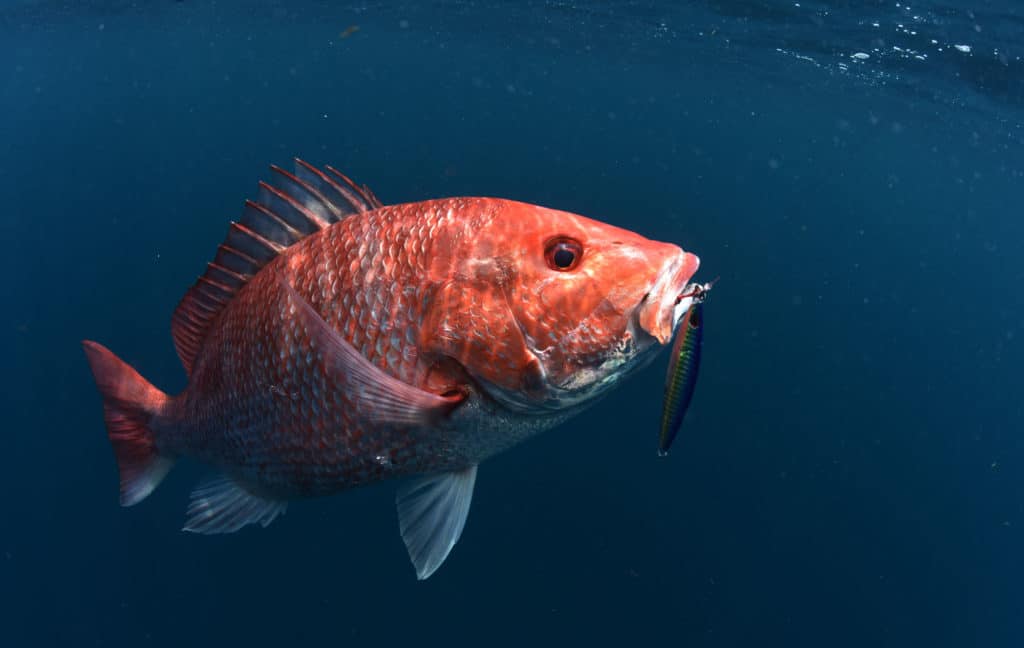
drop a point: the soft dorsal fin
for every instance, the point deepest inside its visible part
(300, 204)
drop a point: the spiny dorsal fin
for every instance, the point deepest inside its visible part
(302, 203)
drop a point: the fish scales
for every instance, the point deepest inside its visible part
(336, 342)
(279, 419)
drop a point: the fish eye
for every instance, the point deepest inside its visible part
(563, 254)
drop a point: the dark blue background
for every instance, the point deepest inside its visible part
(852, 470)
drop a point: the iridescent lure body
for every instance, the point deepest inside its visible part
(683, 367)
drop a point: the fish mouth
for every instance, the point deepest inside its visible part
(661, 309)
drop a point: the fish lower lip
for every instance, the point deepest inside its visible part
(658, 313)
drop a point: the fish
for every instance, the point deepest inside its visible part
(336, 342)
(683, 367)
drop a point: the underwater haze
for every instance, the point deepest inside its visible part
(851, 470)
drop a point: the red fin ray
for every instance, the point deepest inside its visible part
(301, 204)
(252, 243)
(311, 199)
(272, 227)
(364, 191)
(288, 209)
(346, 199)
(236, 261)
(225, 277)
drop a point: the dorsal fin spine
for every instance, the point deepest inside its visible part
(344, 178)
(368, 196)
(269, 247)
(374, 200)
(212, 297)
(212, 291)
(231, 273)
(206, 308)
(215, 284)
(301, 204)
(292, 233)
(242, 256)
(312, 219)
(353, 199)
(310, 190)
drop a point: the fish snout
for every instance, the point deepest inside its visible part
(660, 309)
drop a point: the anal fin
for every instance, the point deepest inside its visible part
(431, 515)
(222, 505)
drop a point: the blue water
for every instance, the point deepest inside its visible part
(851, 472)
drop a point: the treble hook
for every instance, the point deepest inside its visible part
(699, 291)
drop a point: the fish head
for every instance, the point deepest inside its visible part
(552, 309)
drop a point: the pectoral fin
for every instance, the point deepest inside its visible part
(431, 515)
(388, 399)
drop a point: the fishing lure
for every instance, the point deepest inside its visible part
(683, 366)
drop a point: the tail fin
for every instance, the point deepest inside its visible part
(129, 404)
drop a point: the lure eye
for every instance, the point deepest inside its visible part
(563, 254)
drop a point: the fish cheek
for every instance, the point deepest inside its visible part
(557, 308)
(576, 325)
(470, 322)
